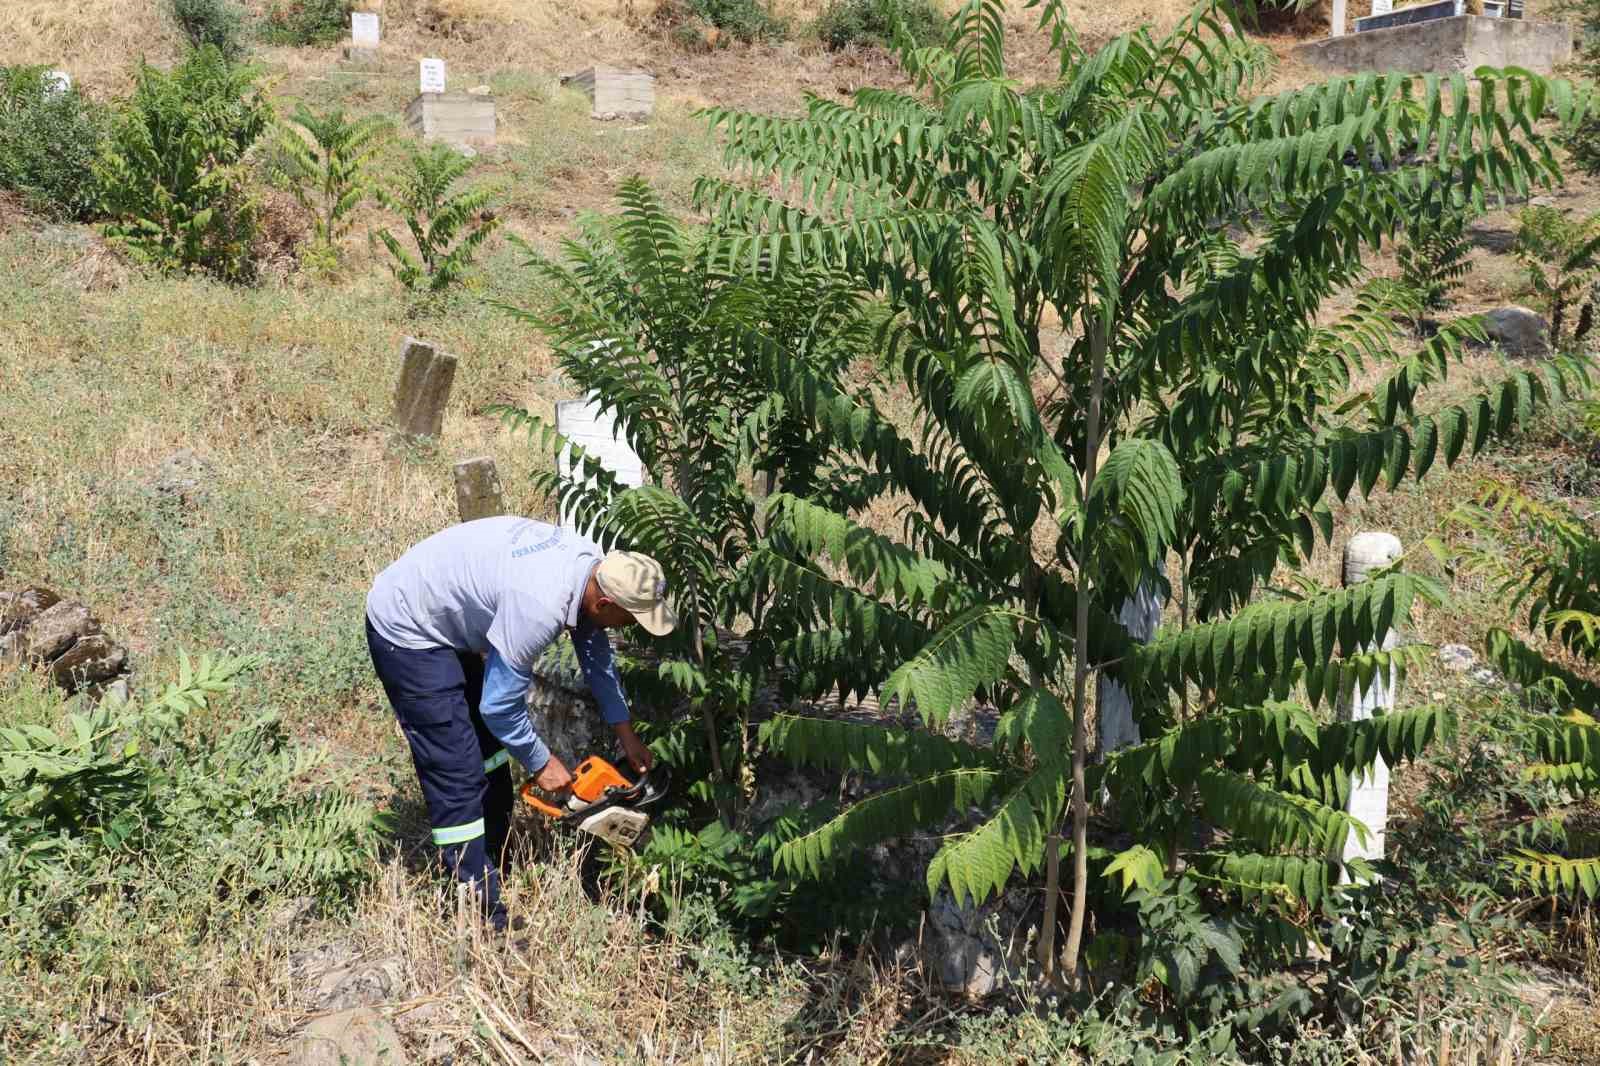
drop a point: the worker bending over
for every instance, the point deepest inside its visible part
(455, 626)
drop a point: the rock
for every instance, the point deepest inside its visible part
(1517, 330)
(480, 90)
(90, 661)
(1457, 658)
(23, 607)
(1485, 676)
(182, 476)
(366, 985)
(12, 649)
(292, 914)
(56, 629)
(309, 965)
(356, 1037)
(962, 946)
(117, 692)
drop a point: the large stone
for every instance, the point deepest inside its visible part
(563, 712)
(92, 660)
(1517, 330)
(58, 628)
(356, 1037)
(22, 608)
(974, 950)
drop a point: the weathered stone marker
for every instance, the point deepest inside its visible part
(426, 375)
(479, 493)
(1369, 793)
(57, 82)
(1141, 614)
(582, 423)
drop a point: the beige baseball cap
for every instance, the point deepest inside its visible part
(638, 585)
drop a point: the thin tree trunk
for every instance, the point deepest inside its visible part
(1098, 341)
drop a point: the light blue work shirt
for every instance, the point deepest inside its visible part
(504, 587)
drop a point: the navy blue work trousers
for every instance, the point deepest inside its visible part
(464, 770)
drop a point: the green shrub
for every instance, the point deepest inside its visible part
(744, 20)
(48, 142)
(871, 22)
(302, 22)
(173, 177)
(323, 158)
(218, 23)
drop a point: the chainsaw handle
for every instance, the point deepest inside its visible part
(530, 796)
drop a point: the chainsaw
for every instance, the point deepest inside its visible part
(603, 802)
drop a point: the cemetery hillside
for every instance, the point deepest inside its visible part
(1124, 476)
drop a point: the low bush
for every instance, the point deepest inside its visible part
(871, 22)
(49, 137)
(173, 174)
(743, 20)
(101, 801)
(218, 23)
(303, 22)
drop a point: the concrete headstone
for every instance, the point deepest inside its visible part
(432, 76)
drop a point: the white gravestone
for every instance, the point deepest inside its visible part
(582, 423)
(1382, 7)
(1141, 615)
(1369, 792)
(432, 79)
(363, 29)
(57, 82)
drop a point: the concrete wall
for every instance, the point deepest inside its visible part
(455, 118)
(1444, 46)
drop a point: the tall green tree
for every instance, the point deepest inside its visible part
(644, 317)
(1104, 296)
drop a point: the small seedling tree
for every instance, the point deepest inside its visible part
(447, 226)
(324, 159)
(1191, 404)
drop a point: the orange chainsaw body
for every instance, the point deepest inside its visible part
(603, 802)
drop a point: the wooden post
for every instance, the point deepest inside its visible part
(478, 490)
(1336, 23)
(426, 375)
(1369, 793)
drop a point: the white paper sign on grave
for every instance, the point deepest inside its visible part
(364, 29)
(432, 76)
(581, 422)
(57, 82)
(1382, 7)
